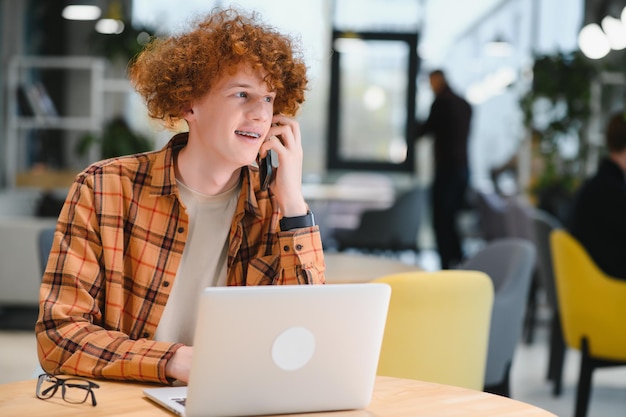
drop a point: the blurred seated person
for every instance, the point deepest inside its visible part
(598, 215)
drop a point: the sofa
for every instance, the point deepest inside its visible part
(20, 269)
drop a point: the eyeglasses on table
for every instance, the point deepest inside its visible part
(74, 390)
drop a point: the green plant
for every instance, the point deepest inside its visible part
(557, 108)
(117, 139)
(125, 45)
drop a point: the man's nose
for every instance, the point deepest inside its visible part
(260, 110)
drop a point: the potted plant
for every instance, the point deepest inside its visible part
(556, 112)
(117, 139)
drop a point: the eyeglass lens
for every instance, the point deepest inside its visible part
(46, 386)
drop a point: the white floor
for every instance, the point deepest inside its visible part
(529, 384)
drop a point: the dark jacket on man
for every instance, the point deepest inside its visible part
(449, 122)
(598, 218)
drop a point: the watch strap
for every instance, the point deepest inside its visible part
(288, 223)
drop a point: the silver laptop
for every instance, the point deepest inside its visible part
(282, 349)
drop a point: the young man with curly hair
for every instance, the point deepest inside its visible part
(139, 236)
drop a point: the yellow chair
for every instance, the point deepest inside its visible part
(437, 327)
(592, 308)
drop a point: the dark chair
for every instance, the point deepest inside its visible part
(45, 244)
(509, 263)
(491, 210)
(543, 224)
(393, 229)
(345, 214)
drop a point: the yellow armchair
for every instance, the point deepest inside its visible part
(592, 307)
(438, 327)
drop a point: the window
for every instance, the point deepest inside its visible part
(371, 123)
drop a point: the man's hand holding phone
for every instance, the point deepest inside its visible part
(284, 139)
(266, 170)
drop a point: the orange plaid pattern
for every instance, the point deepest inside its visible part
(117, 247)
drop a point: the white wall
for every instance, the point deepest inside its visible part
(532, 27)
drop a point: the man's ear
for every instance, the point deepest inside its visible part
(188, 113)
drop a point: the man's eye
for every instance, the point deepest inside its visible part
(242, 94)
(269, 99)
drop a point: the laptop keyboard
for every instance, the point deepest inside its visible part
(180, 400)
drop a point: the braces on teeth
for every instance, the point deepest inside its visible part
(250, 134)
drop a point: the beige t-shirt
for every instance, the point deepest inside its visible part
(203, 263)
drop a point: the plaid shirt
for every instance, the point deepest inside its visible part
(118, 243)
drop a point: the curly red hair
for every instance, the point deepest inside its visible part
(172, 73)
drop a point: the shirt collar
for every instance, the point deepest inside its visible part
(164, 176)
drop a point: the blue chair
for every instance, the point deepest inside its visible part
(44, 243)
(509, 262)
(45, 238)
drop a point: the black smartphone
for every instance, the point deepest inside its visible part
(266, 170)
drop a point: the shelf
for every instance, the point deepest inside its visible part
(45, 179)
(65, 123)
(41, 112)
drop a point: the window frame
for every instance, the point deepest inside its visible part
(334, 160)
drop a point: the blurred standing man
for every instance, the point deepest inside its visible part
(449, 122)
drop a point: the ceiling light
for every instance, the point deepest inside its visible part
(110, 26)
(112, 22)
(616, 32)
(77, 12)
(593, 42)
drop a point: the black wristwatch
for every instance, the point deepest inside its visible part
(288, 223)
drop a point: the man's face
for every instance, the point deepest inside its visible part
(232, 120)
(436, 83)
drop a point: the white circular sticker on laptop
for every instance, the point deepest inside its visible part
(293, 348)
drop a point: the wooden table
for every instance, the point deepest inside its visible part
(344, 268)
(393, 397)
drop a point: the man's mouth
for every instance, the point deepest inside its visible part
(248, 134)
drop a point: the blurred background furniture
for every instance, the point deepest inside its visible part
(20, 274)
(437, 327)
(44, 243)
(20, 225)
(490, 208)
(339, 204)
(509, 263)
(394, 229)
(510, 216)
(543, 224)
(344, 213)
(344, 267)
(519, 223)
(592, 310)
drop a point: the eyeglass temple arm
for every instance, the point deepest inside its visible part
(93, 397)
(86, 387)
(52, 387)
